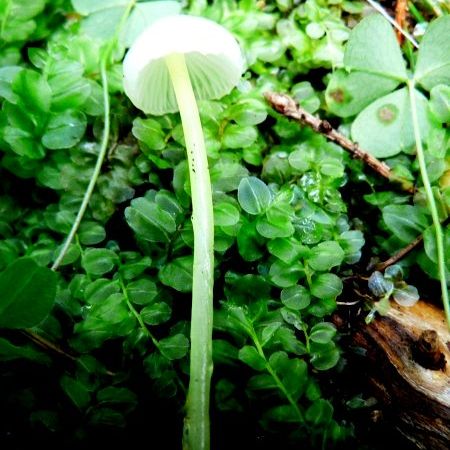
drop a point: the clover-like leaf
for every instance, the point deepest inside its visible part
(363, 49)
(348, 93)
(385, 127)
(433, 60)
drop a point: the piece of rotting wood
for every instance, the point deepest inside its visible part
(407, 365)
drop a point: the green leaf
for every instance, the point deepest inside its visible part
(283, 413)
(64, 130)
(91, 233)
(150, 132)
(324, 356)
(23, 143)
(429, 240)
(296, 297)
(117, 395)
(433, 60)
(34, 91)
(11, 352)
(261, 382)
(385, 127)
(69, 88)
(86, 7)
(406, 296)
(319, 413)
(440, 102)
(7, 75)
(250, 356)
(177, 274)
(156, 313)
(224, 352)
(268, 332)
(149, 221)
(76, 391)
(237, 136)
(285, 275)
(295, 377)
(363, 49)
(248, 111)
(99, 290)
(326, 255)
(288, 250)
(225, 214)
(405, 221)
(253, 195)
(348, 93)
(351, 242)
(322, 333)
(98, 261)
(174, 347)
(142, 292)
(327, 286)
(27, 294)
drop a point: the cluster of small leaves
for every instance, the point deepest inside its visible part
(391, 284)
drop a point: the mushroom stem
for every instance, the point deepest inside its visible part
(196, 429)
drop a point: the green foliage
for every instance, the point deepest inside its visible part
(290, 220)
(27, 293)
(383, 124)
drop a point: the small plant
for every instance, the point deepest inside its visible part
(389, 124)
(391, 284)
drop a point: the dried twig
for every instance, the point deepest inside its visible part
(401, 8)
(287, 106)
(400, 254)
(47, 345)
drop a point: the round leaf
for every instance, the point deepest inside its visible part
(254, 196)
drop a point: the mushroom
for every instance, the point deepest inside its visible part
(173, 63)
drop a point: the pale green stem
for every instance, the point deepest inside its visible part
(276, 378)
(95, 173)
(196, 429)
(431, 202)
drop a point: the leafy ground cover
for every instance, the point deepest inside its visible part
(95, 330)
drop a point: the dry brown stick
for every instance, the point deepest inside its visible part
(46, 344)
(400, 254)
(400, 17)
(287, 106)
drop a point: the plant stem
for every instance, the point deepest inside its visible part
(431, 201)
(276, 378)
(95, 173)
(138, 316)
(196, 428)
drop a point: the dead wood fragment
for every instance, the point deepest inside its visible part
(407, 368)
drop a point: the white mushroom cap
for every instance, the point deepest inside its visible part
(213, 58)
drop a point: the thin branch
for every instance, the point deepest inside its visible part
(47, 345)
(400, 254)
(383, 12)
(51, 346)
(287, 106)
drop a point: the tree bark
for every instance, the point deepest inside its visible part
(407, 362)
